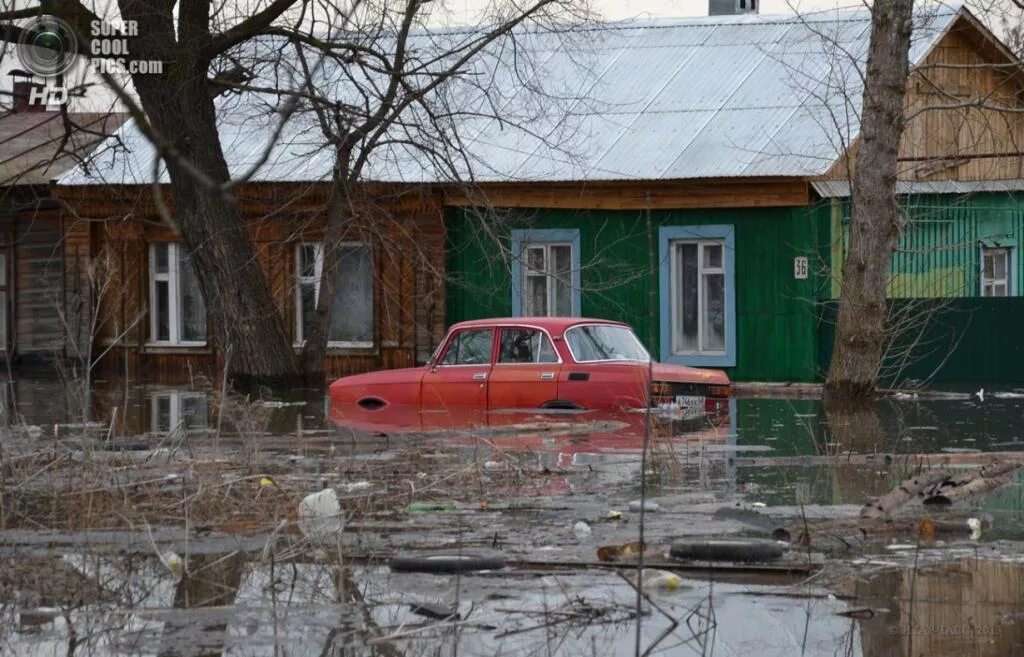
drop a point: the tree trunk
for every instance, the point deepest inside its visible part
(339, 209)
(240, 308)
(875, 215)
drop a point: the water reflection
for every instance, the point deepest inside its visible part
(968, 607)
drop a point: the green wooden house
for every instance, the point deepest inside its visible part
(706, 201)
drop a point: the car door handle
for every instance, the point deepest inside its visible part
(547, 376)
(480, 376)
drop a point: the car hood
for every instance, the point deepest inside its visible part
(682, 373)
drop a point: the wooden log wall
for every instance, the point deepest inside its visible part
(403, 228)
(965, 112)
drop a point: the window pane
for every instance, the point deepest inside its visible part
(545, 352)
(713, 255)
(193, 411)
(352, 306)
(525, 346)
(536, 296)
(476, 347)
(562, 256)
(192, 307)
(563, 296)
(999, 265)
(603, 342)
(162, 310)
(160, 260)
(3, 320)
(162, 416)
(307, 261)
(714, 312)
(517, 346)
(999, 290)
(686, 332)
(470, 348)
(307, 306)
(535, 258)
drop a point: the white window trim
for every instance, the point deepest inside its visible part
(175, 415)
(300, 339)
(548, 276)
(677, 306)
(173, 279)
(1008, 280)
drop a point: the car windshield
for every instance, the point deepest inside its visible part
(604, 342)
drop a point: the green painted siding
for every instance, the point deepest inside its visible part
(775, 314)
(940, 248)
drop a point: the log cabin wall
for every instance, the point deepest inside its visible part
(108, 232)
(30, 282)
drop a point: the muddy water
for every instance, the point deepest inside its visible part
(230, 474)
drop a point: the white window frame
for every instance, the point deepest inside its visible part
(1007, 281)
(677, 306)
(175, 416)
(549, 276)
(300, 338)
(173, 279)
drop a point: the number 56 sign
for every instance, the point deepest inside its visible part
(800, 267)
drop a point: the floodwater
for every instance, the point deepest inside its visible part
(97, 506)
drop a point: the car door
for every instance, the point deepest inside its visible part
(459, 377)
(525, 374)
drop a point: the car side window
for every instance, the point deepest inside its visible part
(469, 348)
(523, 345)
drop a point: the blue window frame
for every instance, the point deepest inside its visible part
(546, 272)
(697, 276)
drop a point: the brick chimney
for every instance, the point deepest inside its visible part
(731, 7)
(22, 88)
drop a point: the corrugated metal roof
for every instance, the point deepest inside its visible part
(841, 188)
(667, 99)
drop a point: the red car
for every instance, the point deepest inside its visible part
(538, 362)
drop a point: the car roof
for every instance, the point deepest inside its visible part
(551, 324)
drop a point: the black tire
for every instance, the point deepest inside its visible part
(727, 549)
(446, 562)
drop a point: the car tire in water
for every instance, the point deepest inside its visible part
(446, 562)
(727, 549)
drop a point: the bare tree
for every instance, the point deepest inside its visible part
(875, 215)
(388, 85)
(383, 92)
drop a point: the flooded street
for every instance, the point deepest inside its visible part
(167, 522)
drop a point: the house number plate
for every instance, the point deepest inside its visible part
(800, 267)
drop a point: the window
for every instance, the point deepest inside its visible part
(698, 297)
(698, 307)
(593, 342)
(177, 313)
(547, 290)
(471, 347)
(995, 273)
(176, 410)
(546, 272)
(3, 301)
(525, 345)
(352, 307)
